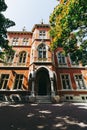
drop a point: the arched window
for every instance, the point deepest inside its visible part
(22, 57)
(42, 51)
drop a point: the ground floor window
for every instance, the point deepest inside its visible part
(65, 81)
(4, 81)
(79, 82)
(18, 81)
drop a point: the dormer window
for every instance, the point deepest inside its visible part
(42, 34)
(15, 41)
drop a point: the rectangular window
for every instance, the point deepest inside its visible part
(79, 81)
(22, 57)
(61, 58)
(4, 81)
(25, 42)
(65, 81)
(42, 34)
(9, 58)
(73, 62)
(18, 81)
(15, 42)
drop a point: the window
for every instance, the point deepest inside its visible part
(22, 57)
(79, 82)
(9, 58)
(42, 51)
(18, 81)
(15, 42)
(73, 60)
(65, 81)
(4, 81)
(61, 58)
(42, 34)
(74, 63)
(25, 41)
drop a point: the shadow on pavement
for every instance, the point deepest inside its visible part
(65, 116)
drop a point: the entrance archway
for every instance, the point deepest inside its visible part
(42, 82)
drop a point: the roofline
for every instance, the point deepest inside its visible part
(40, 25)
(28, 32)
(20, 32)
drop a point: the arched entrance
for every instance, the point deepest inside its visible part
(42, 86)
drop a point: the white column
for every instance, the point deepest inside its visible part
(52, 88)
(32, 91)
(33, 84)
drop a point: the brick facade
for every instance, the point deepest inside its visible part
(35, 70)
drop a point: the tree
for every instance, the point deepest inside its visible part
(5, 23)
(68, 23)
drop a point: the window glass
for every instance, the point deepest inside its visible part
(42, 34)
(15, 41)
(65, 81)
(9, 58)
(61, 58)
(42, 51)
(25, 41)
(4, 81)
(22, 57)
(79, 82)
(18, 81)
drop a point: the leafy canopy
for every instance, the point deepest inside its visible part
(5, 23)
(68, 23)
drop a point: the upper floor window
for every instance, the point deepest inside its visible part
(25, 41)
(4, 81)
(42, 34)
(61, 58)
(65, 81)
(42, 51)
(9, 58)
(18, 81)
(73, 61)
(15, 41)
(22, 57)
(79, 81)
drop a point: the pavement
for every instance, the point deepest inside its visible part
(62, 116)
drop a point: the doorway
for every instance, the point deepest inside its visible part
(42, 82)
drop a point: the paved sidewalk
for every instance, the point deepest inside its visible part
(65, 116)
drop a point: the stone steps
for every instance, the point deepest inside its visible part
(43, 99)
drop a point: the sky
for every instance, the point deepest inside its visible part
(29, 12)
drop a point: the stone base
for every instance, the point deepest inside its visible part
(32, 99)
(55, 99)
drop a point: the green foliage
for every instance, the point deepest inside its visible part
(68, 28)
(5, 23)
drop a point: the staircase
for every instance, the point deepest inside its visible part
(43, 99)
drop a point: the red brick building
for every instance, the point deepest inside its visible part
(34, 72)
